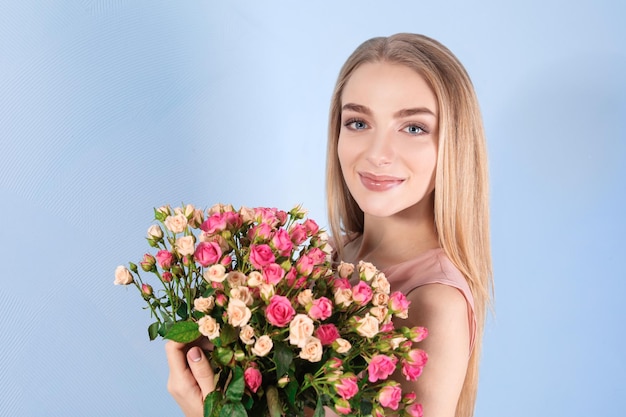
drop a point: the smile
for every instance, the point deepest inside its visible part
(379, 182)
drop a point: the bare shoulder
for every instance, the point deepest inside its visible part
(437, 300)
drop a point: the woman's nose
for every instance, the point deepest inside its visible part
(380, 151)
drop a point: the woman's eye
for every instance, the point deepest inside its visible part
(414, 129)
(356, 124)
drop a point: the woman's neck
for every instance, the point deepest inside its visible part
(390, 240)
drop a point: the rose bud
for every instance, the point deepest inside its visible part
(146, 290)
(148, 262)
(224, 355)
(155, 233)
(167, 276)
(282, 382)
(122, 276)
(177, 271)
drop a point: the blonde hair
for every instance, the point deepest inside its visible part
(461, 206)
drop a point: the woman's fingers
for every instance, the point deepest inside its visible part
(201, 370)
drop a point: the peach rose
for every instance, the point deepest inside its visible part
(246, 334)
(238, 313)
(345, 269)
(155, 232)
(380, 299)
(311, 349)
(300, 328)
(185, 245)
(209, 327)
(267, 291)
(367, 270)
(255, 279)
(204, 304)
(381, 283)
(343, 297)
(243, 294)
(176, 223)
(367, 326)
(305, 297)
(263, 346)
(381, 314)
(236, 279)
(122, 276)
(341, 345)
(215, 273)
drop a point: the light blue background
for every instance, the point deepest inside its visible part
(111, 107)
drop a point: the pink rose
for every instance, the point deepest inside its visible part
(311, 227)
(265, 215)
(291, 277)
(414, 410)
(208, 253)
(390, 396)
(214, 224)
(165, 259)
(167, 276)
(327, 334)
(260, 232)
(347, 387)
(297, 232)
(413, 364)
(261, 255)
(362, 293)
(417, 334)
(279, 311)
(282, 217)
(399, 305)
(321, 309)
(233, 219)
(273, 273)
(281, 242)
(342, 406)
(341, 283)
(380, 367)
(253, 378)
(317, 255)
(304, 265)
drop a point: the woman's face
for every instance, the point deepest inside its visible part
(388, 139)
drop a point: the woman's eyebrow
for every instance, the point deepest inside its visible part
(359, 108)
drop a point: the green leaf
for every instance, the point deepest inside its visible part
(234, 392)
(319, 408)
(233, 410)
(182, 311)
(212, 404)
(291, 390)
(153, 330)
(183, 332)
(228, 335)
(283, 356)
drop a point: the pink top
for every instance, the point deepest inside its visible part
(432, 267)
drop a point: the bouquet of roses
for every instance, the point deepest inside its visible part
(290, 330)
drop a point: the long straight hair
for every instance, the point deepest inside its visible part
(461, 205)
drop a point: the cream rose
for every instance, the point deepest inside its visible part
(243, 294)
(238, 313)
(185, 245)
(381, 283)
(176, 223)
(204, 304)
(122, 276)
(305, 297)
(312, 349)
(343, 297)
(155, 232)
(263, 346)
(381, 314)
(397, 341)
(345, 269)
(341, 345)
(215, 273)
(300, 328)
(255, 279)
(267, 291)
(367, 270)
(209, 327)
(246, 334)
(380, 299)
(247, 214)
(236, 279)
(368, 326)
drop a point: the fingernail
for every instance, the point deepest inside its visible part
(194, 354)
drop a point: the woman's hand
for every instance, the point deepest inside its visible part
(191, 377)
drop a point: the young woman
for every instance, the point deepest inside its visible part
(407, 191)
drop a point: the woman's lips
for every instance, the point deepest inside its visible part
(379, 182)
